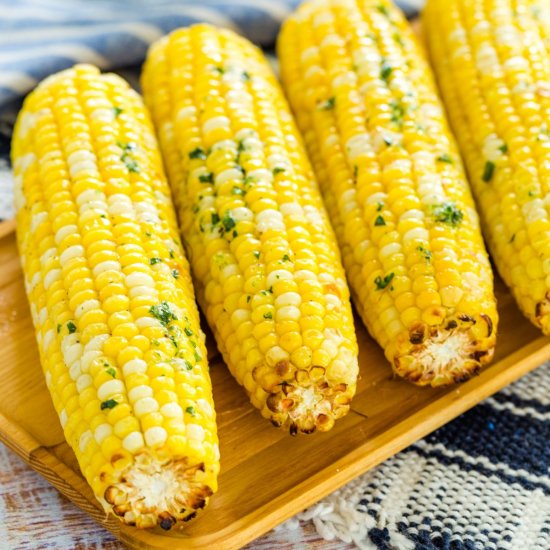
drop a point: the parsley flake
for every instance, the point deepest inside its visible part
(197, 153)
(278, 170)
(268, 315)
(163, 313)
(206, 178)
(327, 105)
(386, 71)
(175, 274)
(111, 372)
(448, 213)
(154, 261)
(425, 252)
(445, 158)
(190, 410)
(188, 331)
(109, 404)
(71, 327)
(379, 221)
(117, 111)
(488, 171)
(228, 222)
(382, 283)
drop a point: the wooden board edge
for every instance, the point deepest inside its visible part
(359, 461)
(6, 227)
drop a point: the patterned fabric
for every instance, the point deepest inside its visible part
(480, 482)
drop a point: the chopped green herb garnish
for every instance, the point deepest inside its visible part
(448, 213)
(388, 140)
(148, 234)
(398, 39)
(197, 153)
(286, 258)
(398, 112)
(445, 158)
(190, 410)
(488, 171)
(132, 165)
(71, 327)
(228, 222)
(268, 315)
(206, 178)
(532, 193)
(237, 191)
(171, 253)
(175, 274)
(154, 261)
(379, 206)
(241, 147)
(197, 356)
(163, 313)
(109, 404)
(246, 76)
(425, 252)
(385, 71)
(219, 70)
(278, 170)
(503, 149)
(379, 221)
(383, 10)
(248, 298)
(327, 105)
(382, 283)
(103, 216)
(188, 331)
(214, 219)
(256, 254)
(117, 111)
(187, 364)
(111, 372)
(58, 328)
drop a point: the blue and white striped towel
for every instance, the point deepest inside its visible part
(482, 481)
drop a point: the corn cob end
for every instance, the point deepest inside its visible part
(542, 314)
(446, 354)
(151, 492)
(306, 401)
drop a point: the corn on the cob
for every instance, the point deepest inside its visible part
(264, 257)
(393, 184)
(112, 300)
(492, 60)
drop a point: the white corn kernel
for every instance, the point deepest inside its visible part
(133, 442)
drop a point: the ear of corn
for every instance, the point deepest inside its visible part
(264, 257)
(393, 184)
(111, 298)
(492, 60)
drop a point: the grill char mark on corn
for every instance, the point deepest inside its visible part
(492, 63)
(264, 257)
(393, 185)
(99, 245)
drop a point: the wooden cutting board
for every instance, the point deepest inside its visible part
(266, 476)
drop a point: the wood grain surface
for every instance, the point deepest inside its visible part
(267, 476)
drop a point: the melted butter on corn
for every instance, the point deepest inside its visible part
(264, 257)
(491, 60)
(393, 185)
(118, 335)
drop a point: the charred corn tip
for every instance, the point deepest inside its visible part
(151, 492)
(305, 401)
(450, 353)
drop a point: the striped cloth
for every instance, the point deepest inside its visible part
(482, 481)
